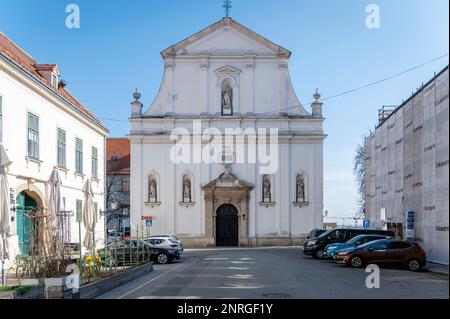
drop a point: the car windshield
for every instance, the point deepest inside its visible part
(325, 233)
(371, 243)
(173, 241)
(356, 239)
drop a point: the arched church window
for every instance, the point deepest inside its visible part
(227, 97)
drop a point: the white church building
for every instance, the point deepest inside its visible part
(227, 77)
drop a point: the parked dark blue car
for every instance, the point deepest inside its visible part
(331, 249)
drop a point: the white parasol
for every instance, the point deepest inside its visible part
(89, 216)
(5, 218)
(54, 201)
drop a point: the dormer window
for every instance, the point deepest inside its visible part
(54, 80)
(50, 72)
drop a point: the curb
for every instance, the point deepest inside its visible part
(437, 271)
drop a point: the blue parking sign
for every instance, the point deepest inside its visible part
(366, 223)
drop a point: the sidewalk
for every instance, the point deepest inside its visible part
(437, 268)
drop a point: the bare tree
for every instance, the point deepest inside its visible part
(359, 169)
(113, 190)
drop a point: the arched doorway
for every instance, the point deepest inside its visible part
(25, 204)
(227, 227)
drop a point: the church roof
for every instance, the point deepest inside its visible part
(172, 50)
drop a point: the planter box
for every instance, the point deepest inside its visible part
(88, 291)
(98, 288)
(33, 293)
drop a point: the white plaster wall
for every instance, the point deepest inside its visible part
(281, 220)
(18, 99)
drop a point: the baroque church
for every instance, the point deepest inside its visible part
(227, 76)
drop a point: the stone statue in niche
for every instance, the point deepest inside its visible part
(300, 189)
(187, 190)
(227, 99)
(267, 193)
(152, 190)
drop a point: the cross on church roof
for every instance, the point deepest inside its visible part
(227, 6)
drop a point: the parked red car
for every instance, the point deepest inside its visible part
(407, 254)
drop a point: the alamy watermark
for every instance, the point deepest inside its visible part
(233, 146)
(73, 19)
(373, 20)
(373, 280)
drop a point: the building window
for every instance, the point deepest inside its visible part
(1, 120)
(54, 80)
(61, 145)
(125, 187)
(79, 210)
(94, 162)
(33, 136)
(78, 156)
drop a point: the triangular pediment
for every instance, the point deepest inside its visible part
(227, 70)
(227, 180)
(226, 38)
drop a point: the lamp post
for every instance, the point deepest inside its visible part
(105, 213)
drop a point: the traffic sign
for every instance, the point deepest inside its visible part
(149, 223)
(366, 223)
(147, 218)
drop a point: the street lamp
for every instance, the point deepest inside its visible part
(104, 213)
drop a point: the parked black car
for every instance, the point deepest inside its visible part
(316, 246)
(316, 232)
(126, 252)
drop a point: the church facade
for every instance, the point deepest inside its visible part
(227, 78)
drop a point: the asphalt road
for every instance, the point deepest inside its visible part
(273, 273)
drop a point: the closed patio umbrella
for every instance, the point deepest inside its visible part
(55, 231)
(54, 201)
(5, 218)
(89, 216)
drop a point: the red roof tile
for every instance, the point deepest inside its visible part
(26, 61)
(119, 148)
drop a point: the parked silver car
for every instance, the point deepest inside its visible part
(166, 241)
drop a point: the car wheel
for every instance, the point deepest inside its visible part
(356, 262)
(320, 253)
(414, 265)
(162, 259)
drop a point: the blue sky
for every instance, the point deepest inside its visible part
(117, 50)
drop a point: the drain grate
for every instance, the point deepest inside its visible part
(275, 295)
